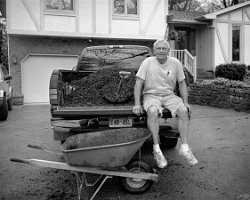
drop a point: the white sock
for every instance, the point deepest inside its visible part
(185, 146)
(156, 148)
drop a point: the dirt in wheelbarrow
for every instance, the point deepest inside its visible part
(105, 138)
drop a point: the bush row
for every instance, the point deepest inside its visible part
(231, 71)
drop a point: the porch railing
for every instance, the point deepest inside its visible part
(186, 59)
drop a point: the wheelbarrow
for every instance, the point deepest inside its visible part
(107, 154)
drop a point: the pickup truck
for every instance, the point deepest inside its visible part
(5, 93)
(70, 119)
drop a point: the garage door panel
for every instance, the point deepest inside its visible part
(36, 72)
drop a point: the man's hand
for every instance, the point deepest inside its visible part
(138, 110)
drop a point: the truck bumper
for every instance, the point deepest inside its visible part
(62, 129)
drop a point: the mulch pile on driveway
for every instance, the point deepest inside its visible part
(90, 90)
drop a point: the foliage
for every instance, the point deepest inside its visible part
(221, 4)
(3, 42)
(223, 82)
(202, 5)
(186, 5)
(231, 71)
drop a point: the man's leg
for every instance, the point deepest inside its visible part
(183, 123)
(183, 126)
(153, 125)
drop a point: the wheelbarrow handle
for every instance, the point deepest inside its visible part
(19, 160)
(35, 146)
(44, 149)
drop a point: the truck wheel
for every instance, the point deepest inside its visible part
(138, 186)
(168, 143)
(4, 109)
(10, 104)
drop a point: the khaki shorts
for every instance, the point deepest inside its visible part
(171, 102)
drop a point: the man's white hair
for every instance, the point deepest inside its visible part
(161, 41)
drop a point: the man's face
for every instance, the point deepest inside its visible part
(161, 50)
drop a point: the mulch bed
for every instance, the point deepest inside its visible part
(91, 90)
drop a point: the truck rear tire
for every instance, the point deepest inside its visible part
(4, 110)
(137, 186)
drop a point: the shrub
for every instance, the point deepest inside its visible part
(231, 71)
(3, 42)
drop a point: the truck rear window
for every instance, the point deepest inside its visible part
(98, 58)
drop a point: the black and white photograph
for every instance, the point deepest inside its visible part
(124, 99)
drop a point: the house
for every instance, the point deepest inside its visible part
(214, 38)
(49, 34)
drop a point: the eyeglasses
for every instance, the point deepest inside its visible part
(162, 49)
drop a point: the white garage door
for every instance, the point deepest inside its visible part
(36, 71)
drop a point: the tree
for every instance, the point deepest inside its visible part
(202, 5)
(185, 5)
(3, 42)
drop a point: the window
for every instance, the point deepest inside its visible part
(236, 43)
(96, 58)
(125, 7)
(59, 5)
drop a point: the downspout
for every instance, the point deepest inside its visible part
(166, 21)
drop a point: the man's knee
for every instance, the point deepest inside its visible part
(152, 111)
(182, 112)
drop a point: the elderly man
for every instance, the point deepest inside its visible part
(157, 76)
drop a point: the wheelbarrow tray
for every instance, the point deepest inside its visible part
(105, 149)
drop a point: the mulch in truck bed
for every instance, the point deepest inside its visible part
(91, 90)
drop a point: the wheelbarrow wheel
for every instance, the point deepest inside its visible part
(138, 186)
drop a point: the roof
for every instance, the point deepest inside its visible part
(214, 15)
(184, 17)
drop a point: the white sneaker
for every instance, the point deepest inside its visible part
(160, 159)
(186, 152)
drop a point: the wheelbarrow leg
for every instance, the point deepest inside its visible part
(99, 187)
(79, 183)
(83, 179)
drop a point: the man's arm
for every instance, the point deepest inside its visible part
(137, 109)
(137, 90)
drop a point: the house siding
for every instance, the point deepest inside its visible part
(32, 30)
(247, 44)
(22, 46)
(223, 35)
(205, 41)
(91, 18)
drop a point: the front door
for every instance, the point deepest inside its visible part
(185, 39)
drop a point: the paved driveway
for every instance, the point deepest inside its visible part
(219, 138)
